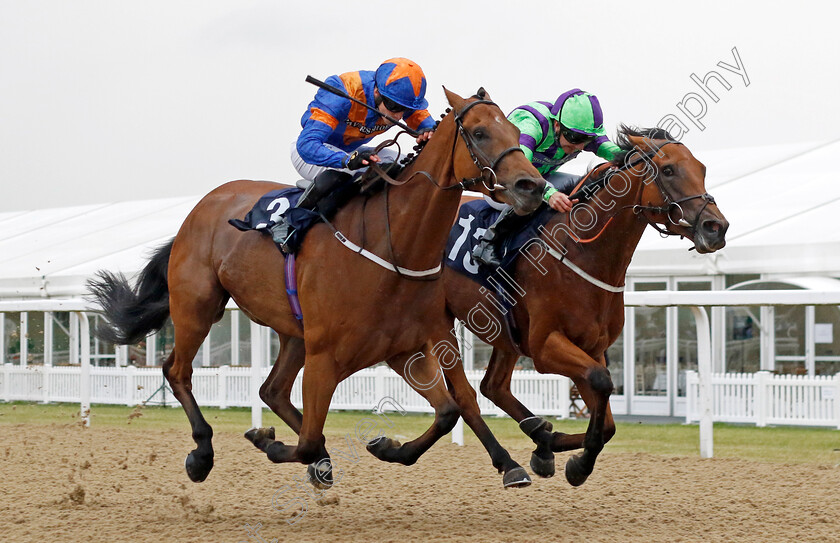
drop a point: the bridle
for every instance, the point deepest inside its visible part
(477, 156)
(670, 204)
(487, 171)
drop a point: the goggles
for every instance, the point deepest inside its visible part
(392, 106)
(575, 138)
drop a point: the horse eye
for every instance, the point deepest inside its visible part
(668, 170)
(478, 134)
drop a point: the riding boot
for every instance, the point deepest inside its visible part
(323, 184)
(486, 250)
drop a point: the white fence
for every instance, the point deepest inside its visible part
(215, 386)
(763, 398)
(228, 386)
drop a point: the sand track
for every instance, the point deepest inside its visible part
(65, 483)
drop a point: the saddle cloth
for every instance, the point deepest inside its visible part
(271, 207)
(473, 220)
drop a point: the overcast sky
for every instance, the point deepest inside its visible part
(111, 100)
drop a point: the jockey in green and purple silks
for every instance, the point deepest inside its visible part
(552, 134)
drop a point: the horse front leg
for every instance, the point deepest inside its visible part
(560, 356)
(496, 387)
(422, 372)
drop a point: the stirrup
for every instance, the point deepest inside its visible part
(485, 253)
(280, 234)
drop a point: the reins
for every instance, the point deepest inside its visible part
(584, 192)
(484, 172)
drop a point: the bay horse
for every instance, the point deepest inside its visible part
(569, 303)
(357, 312)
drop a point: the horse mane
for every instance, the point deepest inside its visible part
(625, 132)
(622, 139)
(480, 94)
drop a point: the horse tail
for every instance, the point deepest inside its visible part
(132, 313)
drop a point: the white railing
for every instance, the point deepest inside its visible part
(695, 300)
(763, 398)
(228, 386)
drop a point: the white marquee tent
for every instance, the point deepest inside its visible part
(781, 202)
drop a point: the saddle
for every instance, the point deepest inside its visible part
(305, 205)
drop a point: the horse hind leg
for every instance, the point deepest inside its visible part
(422, 372)
(192, 318)
(276, 392)
(319, 383)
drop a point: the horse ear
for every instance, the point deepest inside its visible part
(455, 101)
(482, 94)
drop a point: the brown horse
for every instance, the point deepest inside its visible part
(567, 319)
(567, 322)
(356, 312)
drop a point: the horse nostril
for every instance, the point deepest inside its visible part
(526, 186)
(713, 229)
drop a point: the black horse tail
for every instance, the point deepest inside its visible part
(133, 313)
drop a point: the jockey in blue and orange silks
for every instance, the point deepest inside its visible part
(551, 134)
(335, 129)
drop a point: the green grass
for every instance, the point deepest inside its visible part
(774, 444)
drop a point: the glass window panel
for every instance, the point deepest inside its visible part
(61, 338)
(102, 353)
(827, 340)
(743, 339)
(165, 342)
(651, 375)
(687, 334)
(11, 337)
(35, 337)
(615, 363)
(220, 341)
(244, 340)
(790, 339)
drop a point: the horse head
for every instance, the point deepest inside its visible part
(487, 154)
(674, 194)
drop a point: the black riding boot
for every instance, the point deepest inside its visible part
(486, 250)
(323, 184)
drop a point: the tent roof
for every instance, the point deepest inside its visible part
(781, 202)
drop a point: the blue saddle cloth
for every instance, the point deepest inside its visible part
(473, 220)
(273, 205)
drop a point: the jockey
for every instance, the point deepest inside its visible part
(552, 134)
(336, 129)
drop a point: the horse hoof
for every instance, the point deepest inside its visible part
(381, 446)
(198, 467)
(516, 478)
(258, 436)
(320, 474)
(576, 472)
(544, 467)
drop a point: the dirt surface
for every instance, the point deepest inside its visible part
(67, 483)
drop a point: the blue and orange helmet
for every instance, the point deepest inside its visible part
(402, 81)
